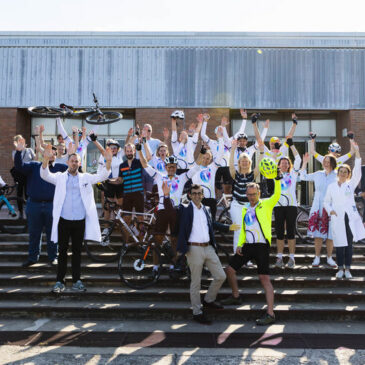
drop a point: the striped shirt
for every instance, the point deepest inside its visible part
(132, 176)
(240, 186)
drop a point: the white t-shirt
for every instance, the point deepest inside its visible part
(200, 230)
(184, 151)
(62, 160)
(177, 184)
(252, 227)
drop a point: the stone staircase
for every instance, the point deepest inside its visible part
(303, 293)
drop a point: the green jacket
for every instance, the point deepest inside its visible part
(264, 215)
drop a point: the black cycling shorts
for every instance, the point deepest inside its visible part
(134, 200)
(112, 190)
(259, 252)
(284, 215)
(223, 173)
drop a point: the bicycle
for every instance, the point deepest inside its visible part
(10, 225)
(94, 115)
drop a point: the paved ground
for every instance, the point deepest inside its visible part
(46, 341)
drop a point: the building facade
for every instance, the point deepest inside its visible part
(147, 75)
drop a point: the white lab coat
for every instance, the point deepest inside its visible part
(341, 200)
(92, 227)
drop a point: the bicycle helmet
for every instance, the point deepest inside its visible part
(274, 140)
(171, 160)
(334, 147)
(178, 114)
(113, 142)
(242, 136)
(268, 168)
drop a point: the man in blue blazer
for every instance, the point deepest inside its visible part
(196, 241)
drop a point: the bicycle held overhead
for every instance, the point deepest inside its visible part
(94, 115)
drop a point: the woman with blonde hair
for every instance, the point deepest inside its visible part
(345, 224)
(241, 177)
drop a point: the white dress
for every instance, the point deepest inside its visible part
(318, 218)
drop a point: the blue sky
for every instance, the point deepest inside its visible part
(184, 15)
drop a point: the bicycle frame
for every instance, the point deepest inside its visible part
(10, 207)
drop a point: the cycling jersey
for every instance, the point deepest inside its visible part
(214, 146)
(252, 227)
(340, 160)
(176, 183)
(288, 185)
(184, 151)
(158, 164)
(205, 175)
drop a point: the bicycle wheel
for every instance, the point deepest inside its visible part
(225, 218)
(301, 225)
(108, 249)
(135, 266)
(45, 111)
(12, 224)
(104, 118)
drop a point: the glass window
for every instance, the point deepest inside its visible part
(302, 129)
(324, 127)
(69, 123)
(49, 125)
(121, 128)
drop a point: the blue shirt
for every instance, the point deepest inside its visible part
(37, 188)
(73, 208)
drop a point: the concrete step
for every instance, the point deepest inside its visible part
(245, 280)
(172, 294)
(64, 307)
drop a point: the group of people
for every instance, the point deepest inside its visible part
(61, 199)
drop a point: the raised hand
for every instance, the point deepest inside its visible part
(234, 143)
(206, 117)
(48, 152)
(306, 158)
(166, 188)
(75, 130)
(294, 118)
(36, 130)
(200, 118)
(144, 133)
(20, 144)
(71, 148)
(267, 123)
(243, 113)
(130, 132)
(41, 128)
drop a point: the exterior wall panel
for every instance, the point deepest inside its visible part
(180, 71)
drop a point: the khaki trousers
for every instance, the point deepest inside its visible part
(197, 257)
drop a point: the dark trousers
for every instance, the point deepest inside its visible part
(39, 216)
(20, 192)
(344, 254)
(66, 230)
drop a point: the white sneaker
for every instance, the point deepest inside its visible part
(339, 274)
(249, 264)
(316, 261)
(348, 274)
(331, 262)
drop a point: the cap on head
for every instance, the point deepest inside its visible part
(274, 140)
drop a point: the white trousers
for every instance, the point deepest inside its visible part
(236, 216)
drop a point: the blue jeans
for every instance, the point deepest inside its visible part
(39, 215)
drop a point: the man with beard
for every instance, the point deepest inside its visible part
(130, 174)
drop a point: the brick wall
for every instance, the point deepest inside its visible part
(12, 122)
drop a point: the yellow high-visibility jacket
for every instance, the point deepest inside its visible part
(263, 212)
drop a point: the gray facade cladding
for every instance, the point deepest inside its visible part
(311, 71)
